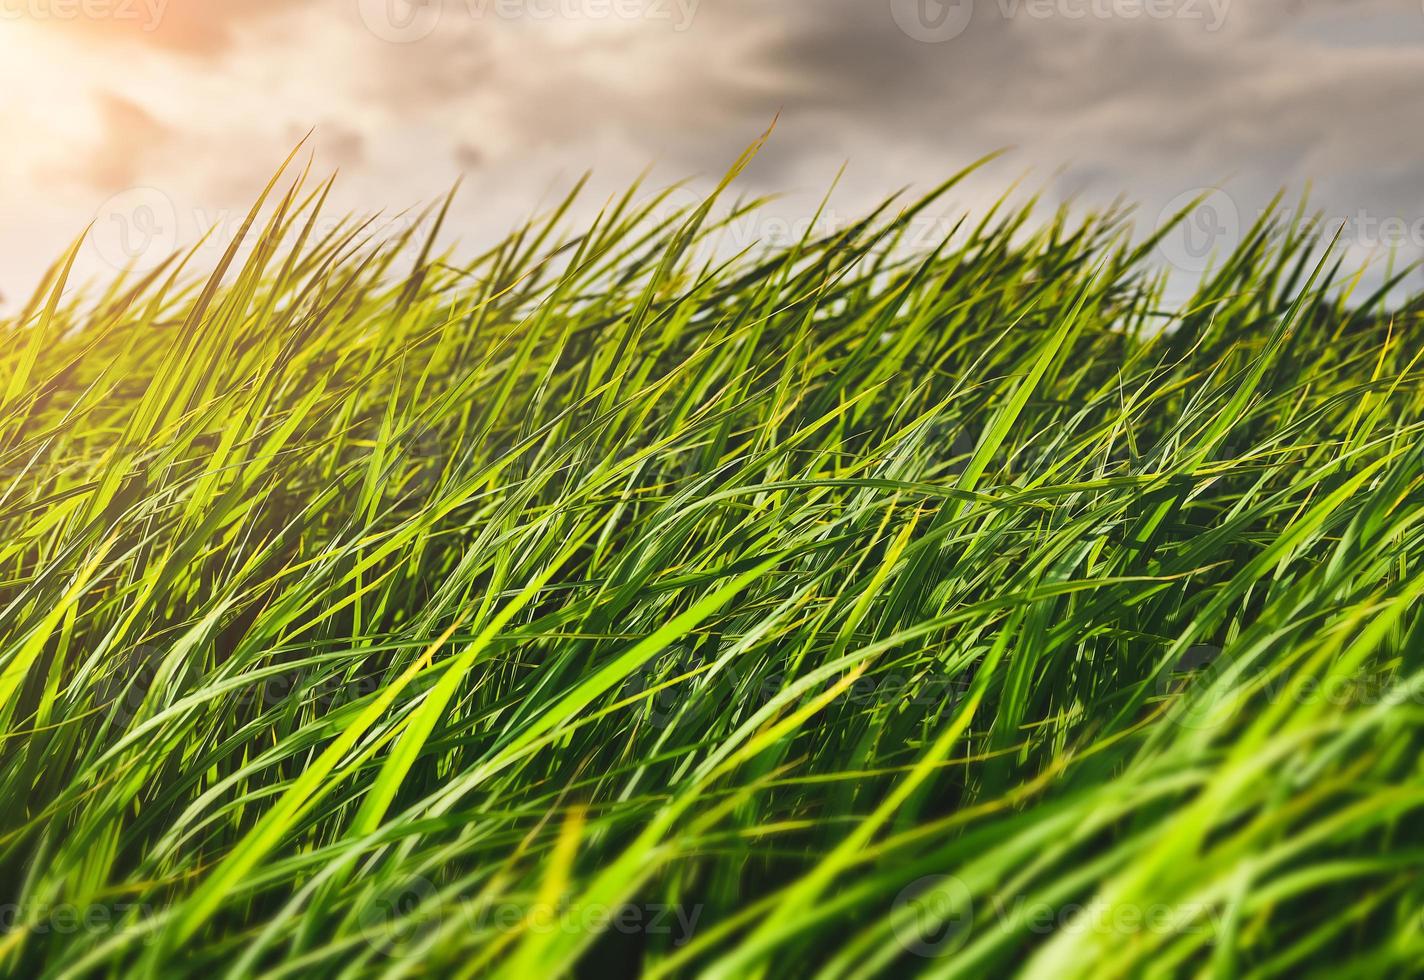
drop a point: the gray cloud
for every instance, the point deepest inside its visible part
(1097, 101)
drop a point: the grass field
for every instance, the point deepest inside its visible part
(611, 604)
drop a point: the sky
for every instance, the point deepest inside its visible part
(153, 122)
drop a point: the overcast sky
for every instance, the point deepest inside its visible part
(158, 118)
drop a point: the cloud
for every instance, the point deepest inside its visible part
(1099, 101)
(130, 138)
(198, 28)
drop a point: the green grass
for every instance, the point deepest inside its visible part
(612, 604)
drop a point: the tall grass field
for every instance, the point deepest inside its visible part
(618, 604)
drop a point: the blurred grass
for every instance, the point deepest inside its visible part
(610, 604)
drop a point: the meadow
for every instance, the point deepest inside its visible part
(610, 605)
